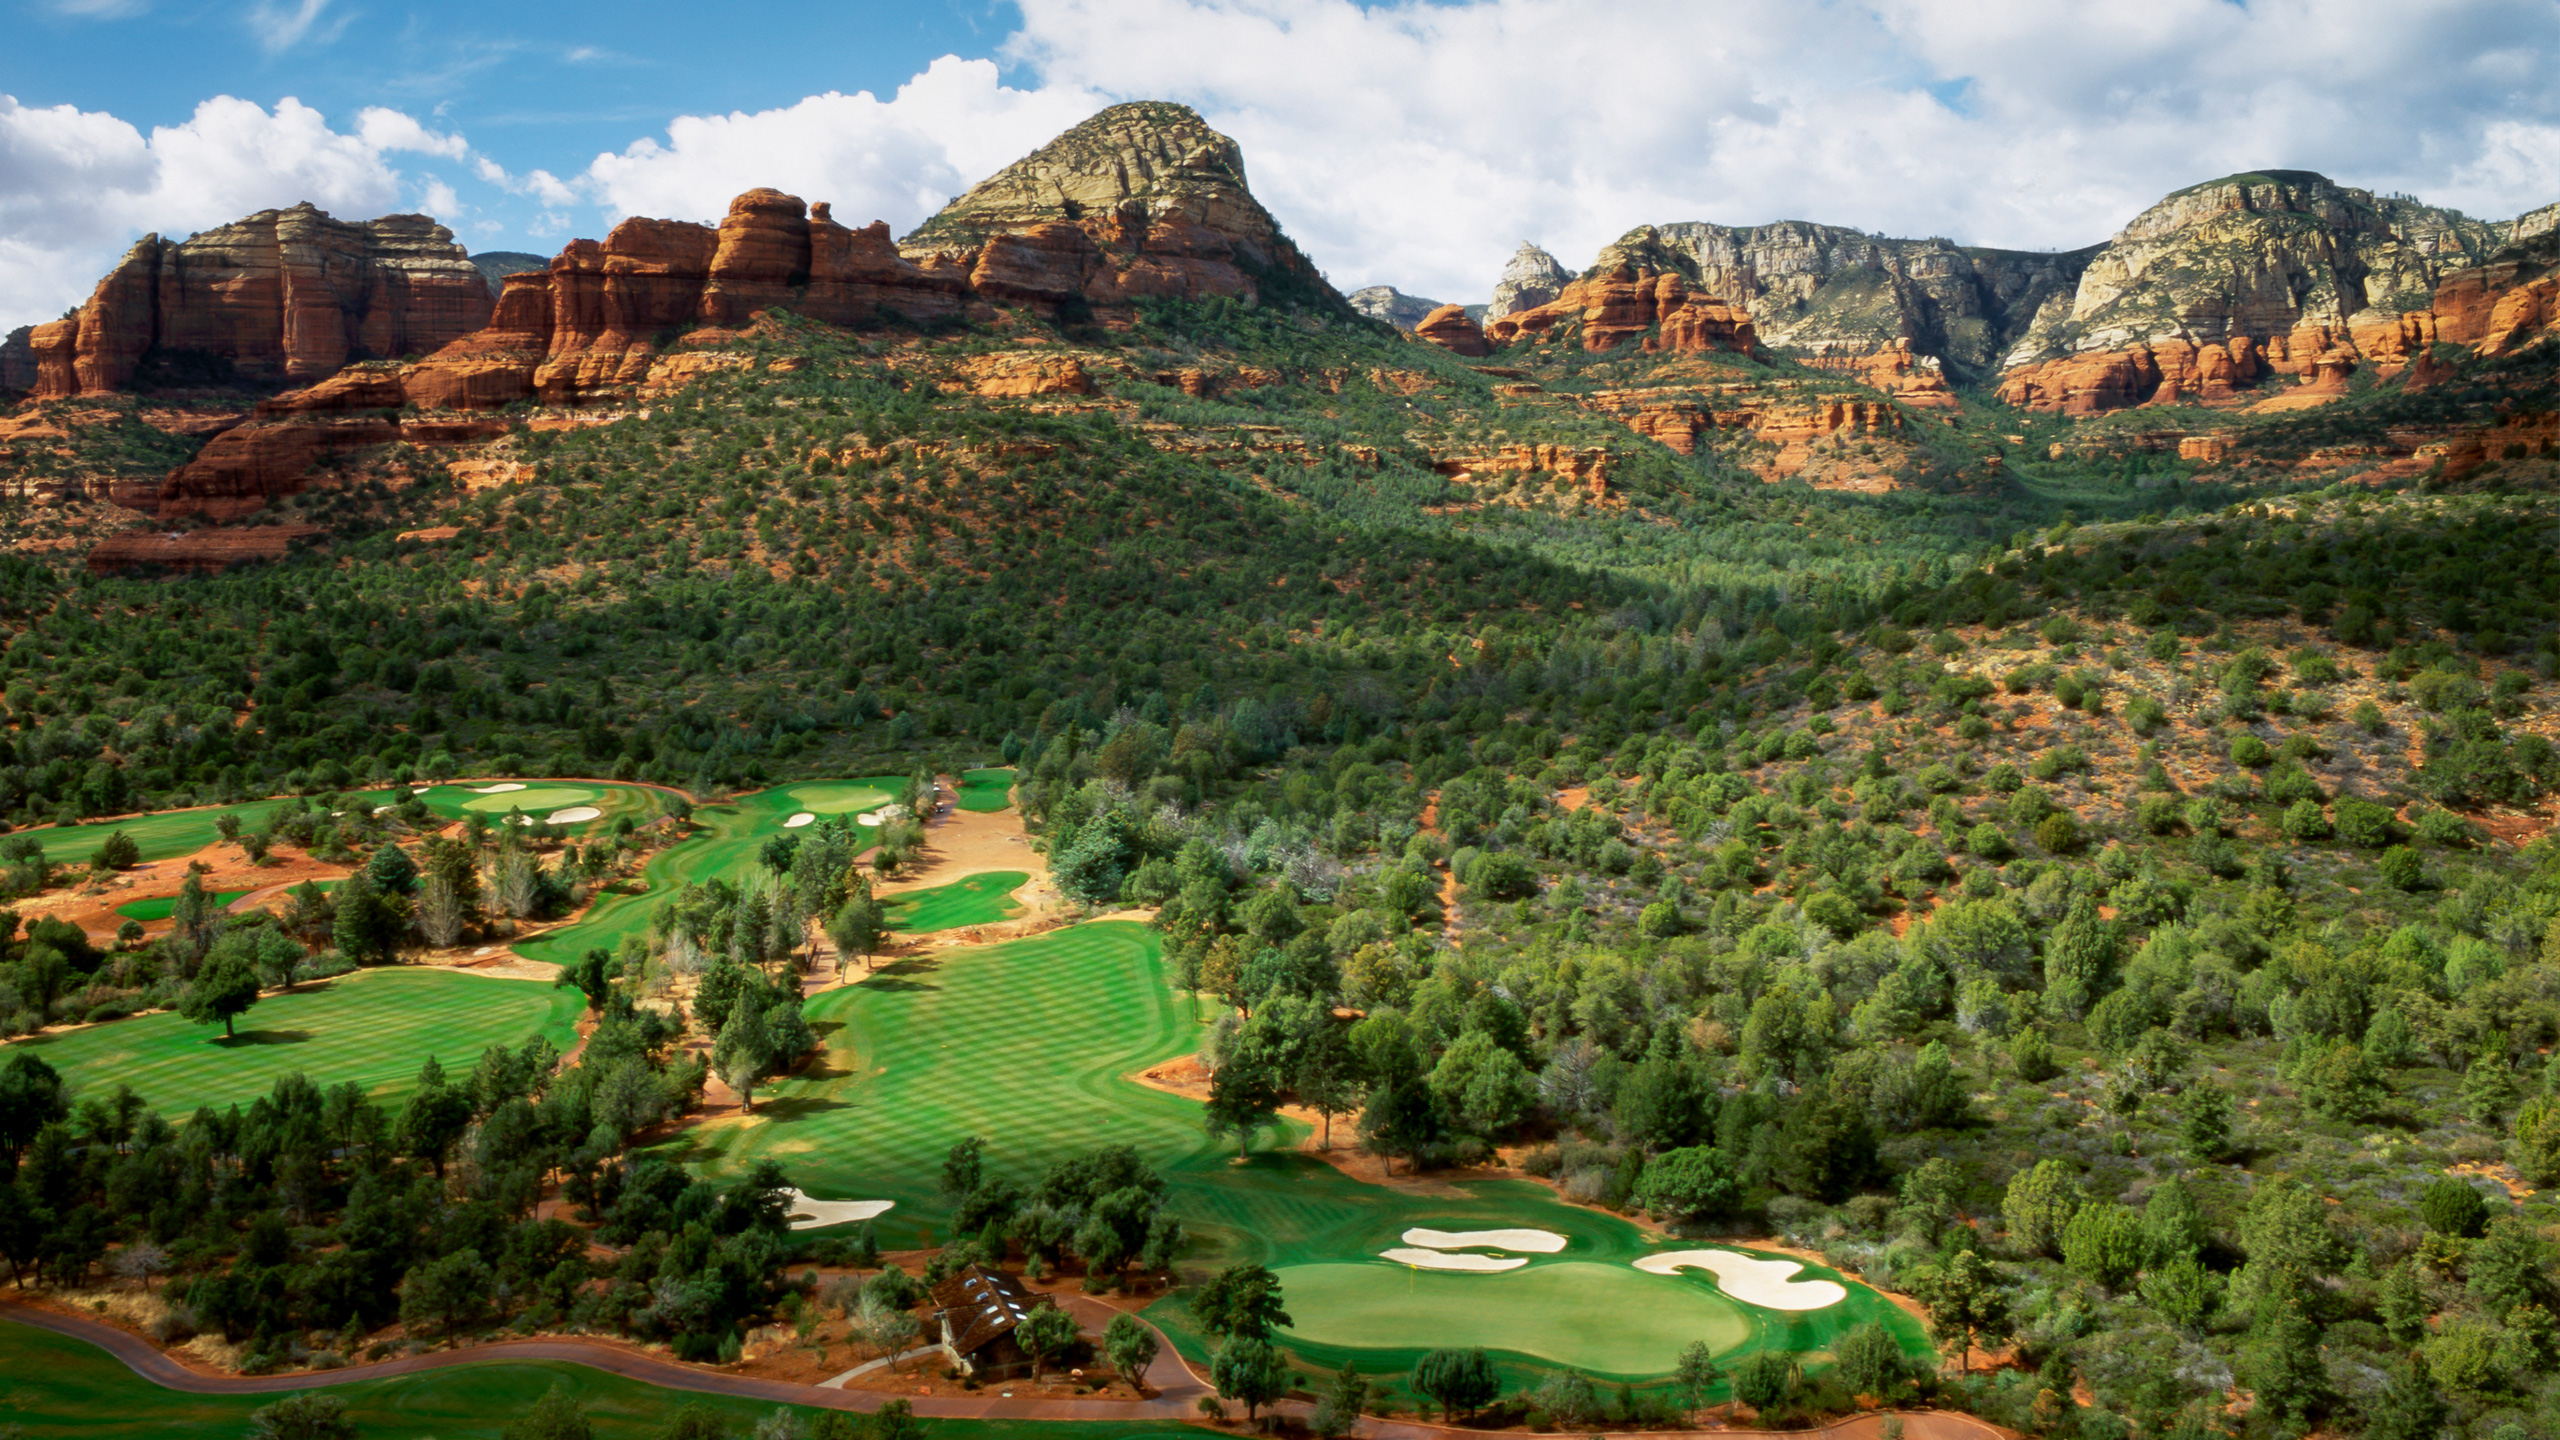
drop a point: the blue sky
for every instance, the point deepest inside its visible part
(1411, 143)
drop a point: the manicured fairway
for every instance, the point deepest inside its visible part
(1027, 1043)
(972, 900)
(1023, 1043)
(986, 790)
(724, 845)
(839, 797)
(373, 1027)
(162, 836)
(161, 907)
(55, 1386)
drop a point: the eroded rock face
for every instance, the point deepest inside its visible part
(281, 296)
(197, 552)
(1387, 303)
(1453, 330)
(1531, 279)
(1626, 302)
(1141, 201)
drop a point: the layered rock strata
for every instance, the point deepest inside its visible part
(1531, 278)
(1628, 302)
(282, 296)
(1453, 330)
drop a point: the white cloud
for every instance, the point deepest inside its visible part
(77, 187)
(438, 199)
(897, 159)
(282, 27)
(384, 129)
(1416, 143)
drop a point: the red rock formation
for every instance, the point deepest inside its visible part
(1625, 302)
(762, 258)
(1452, 329)
(241, 469)
(282, 295)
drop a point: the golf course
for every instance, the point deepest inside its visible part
(1030, 1043)
(724, 846)
(372, 1027)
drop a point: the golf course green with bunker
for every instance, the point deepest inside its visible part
(56, 1386)
(372, 1027)
(981, 899)
(576, 805)
(725, 844)
(1030, 1043)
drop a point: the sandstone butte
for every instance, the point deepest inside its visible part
(282, 296)
(1625, 302)
(1452, 329)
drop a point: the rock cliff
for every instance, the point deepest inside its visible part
(1451, 328)
(1143, 200)
(1627, 301)
(1531, 279)
(283, 296)
(1387, 303)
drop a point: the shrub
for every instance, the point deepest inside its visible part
(2367, 717)
(1989, 841)
(2251, 751)
(2452, 1207)
(2059, 630)
(2158, 814)
(2401, 868)
(2443, 827)
(2290, 783)
(2163, 646)
(2003, 778)
(2361, 822)
(2058, 833)
(2305, 820)
(2146, 715)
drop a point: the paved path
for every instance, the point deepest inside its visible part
(1177, 1389)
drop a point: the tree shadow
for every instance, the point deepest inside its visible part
(262, 1037)
(796, 1107)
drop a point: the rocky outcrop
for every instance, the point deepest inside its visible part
(18, 361)
(282, 296)
(1022, 375)
(1141, 201)
(1450, 328)
(197, 552)
(1387, 303)
(1531, 279)
(1918, 381)
(1626, 302)
(1788, 418)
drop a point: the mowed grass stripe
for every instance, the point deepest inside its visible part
(1023, 1043)
(971, 900)
(373, 1027)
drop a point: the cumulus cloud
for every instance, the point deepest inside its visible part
(77, 186)
(1416, 143)
(897, 159)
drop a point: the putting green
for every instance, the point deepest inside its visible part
(840, 798)
(1610, 1319)
(986, 790)
(162, 907)
(970, 900)
(374, 1027)
(534, 800)
(56, 1386)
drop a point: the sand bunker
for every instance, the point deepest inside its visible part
(1543, 1242)
(796, 821)
(808, 1214)
(574, 815)
(1751, 1280)
(499, 789)
(1434, 1260)
(885, 815)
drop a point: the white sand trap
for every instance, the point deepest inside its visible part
(498, 789)
(885, 815)
(808, 1214)
(1751, 1280)
(796, 821)
(1434, 1260)
(574, 815)
(1543, 1242)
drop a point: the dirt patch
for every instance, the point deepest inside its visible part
(2504, 1175)
(92, 907)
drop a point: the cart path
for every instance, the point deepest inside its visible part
(1177, 1389)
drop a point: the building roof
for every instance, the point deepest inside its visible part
(981, 1306)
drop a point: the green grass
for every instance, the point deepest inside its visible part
(986, 790)
(1027, 1043)
(161, 907)
(839, 797)
(1022, 1042)
(164, 836)
(972, 900)
(1600, 1318)
(534, 800)
(724, 846)
(55, 1386)
(374, 1027)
